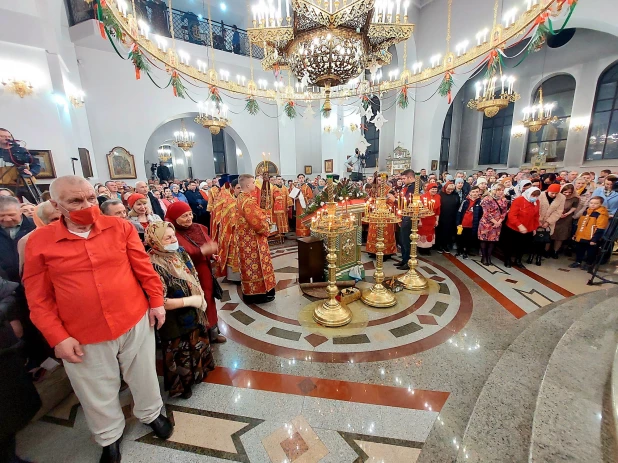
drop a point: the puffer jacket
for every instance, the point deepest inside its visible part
(592, 224)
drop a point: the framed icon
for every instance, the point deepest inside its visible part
(121, 164)
(434, 165)
(47, 163)
(308, 170)
(328, 166)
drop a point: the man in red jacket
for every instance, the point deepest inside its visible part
(101, 323)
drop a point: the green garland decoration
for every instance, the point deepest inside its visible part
(252, 106)
(446, 85)
(365, 101)
(108, 20)
(402, 98)
(214, 95)
(343, 189)
(139, 62)
(289, 109)
(494, 63)
(177, 86)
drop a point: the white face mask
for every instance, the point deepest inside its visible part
(171, 247)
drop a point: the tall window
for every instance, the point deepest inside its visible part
(372, 135)
(218, 152)
(445, 144)
(603, 136)
(495, 137)
(551, 139)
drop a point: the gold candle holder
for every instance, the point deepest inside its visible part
(416, 210)
(331, 313)
(378, 296)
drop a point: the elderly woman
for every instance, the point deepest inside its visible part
(179, 195)
(140, 214)
(494, 207)
(563, 229)
(521, 224)
(194, 238)
(551, 207)
(427, 228)
(103, 193)
(186, 349)
(522, 186)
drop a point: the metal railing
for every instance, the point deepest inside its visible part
(188, 26)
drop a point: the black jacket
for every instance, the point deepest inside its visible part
(20, 156)
(9, 259)
(195, 199)
(477, 213)
(155, 205)
(163, 172)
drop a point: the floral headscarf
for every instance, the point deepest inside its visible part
(177, 264)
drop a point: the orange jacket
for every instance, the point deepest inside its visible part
(592, 224)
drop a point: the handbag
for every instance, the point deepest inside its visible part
(542, 236)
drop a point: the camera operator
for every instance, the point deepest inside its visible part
(13, 154)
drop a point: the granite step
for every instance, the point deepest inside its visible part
(572, 413)
(500, 426)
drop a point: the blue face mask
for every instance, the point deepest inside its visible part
(172, 247)
(533, 199)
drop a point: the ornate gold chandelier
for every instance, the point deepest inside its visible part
(490, 102)
(538, 116)
(212, 116)
(184, 139)
(165, 153)
(329, 42)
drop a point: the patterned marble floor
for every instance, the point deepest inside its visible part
(390, 387)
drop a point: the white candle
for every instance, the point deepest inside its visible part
(406, 4)
(478, 90)
(398, 7)
(287, 8)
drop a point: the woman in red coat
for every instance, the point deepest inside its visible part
(200, 247)
(521, 224)
(427, 228)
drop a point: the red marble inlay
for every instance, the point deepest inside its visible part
(437, 278)
(294, 447)
(374, 394)
(508, 280)
(284, 284)
(231, 306)
(544, 281)
(427, 319)
(316, 339)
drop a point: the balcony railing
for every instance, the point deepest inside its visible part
(188, 26)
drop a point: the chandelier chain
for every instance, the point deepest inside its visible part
(448, 26)
(212, 44)
(169, 8)
(495, 13)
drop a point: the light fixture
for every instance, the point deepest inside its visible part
(19, 87)
(212, 116)
(579, 123)
(517, 131)
(538, 116)
(188, 153)
(184, 139)
(165, 153)
(488, 100)
(60, 100)
(329, 42)
(238, 152)
(223, 6)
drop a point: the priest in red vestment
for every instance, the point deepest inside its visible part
(281, 202)
(252, 229)
(307, 195)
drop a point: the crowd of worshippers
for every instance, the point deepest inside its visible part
(146, 261)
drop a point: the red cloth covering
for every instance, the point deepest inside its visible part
(175, 210)
(523, 212)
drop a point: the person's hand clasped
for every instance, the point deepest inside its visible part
(69, 350)
(522, 229)
(157, 314)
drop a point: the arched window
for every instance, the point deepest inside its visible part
(551, 139)
(603, 135)
(495, 137)
(445, 144)
(218, 153)
(372, 135)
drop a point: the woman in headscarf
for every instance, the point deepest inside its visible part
(481, 182)
(194, 238)
(187, 357)
(584, 193)
(551, 206)
(179, 195)
(140, 214)
(427, 228)
(446, 229)
(522, 186)
(563, 230)
(494, 207)
(521, 224)
(510, 192)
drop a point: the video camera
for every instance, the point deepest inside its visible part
(19, 152)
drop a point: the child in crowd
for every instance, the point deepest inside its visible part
(590, 228)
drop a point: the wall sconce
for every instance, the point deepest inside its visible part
(517, 131)
(77, 99)
(579, 123)
(238, 152)
(19, 87)
(328, 129)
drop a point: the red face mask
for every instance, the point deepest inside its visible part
(86, 216)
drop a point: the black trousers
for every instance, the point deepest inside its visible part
(404, 236)
(516, 243)
(466, 241)
(584, 252)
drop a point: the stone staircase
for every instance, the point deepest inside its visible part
(549, 397)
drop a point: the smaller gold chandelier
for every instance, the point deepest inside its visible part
(165, 153)
(19, 87)
(184, 139)
(490, 103)
(212, 117)
(538, 116)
